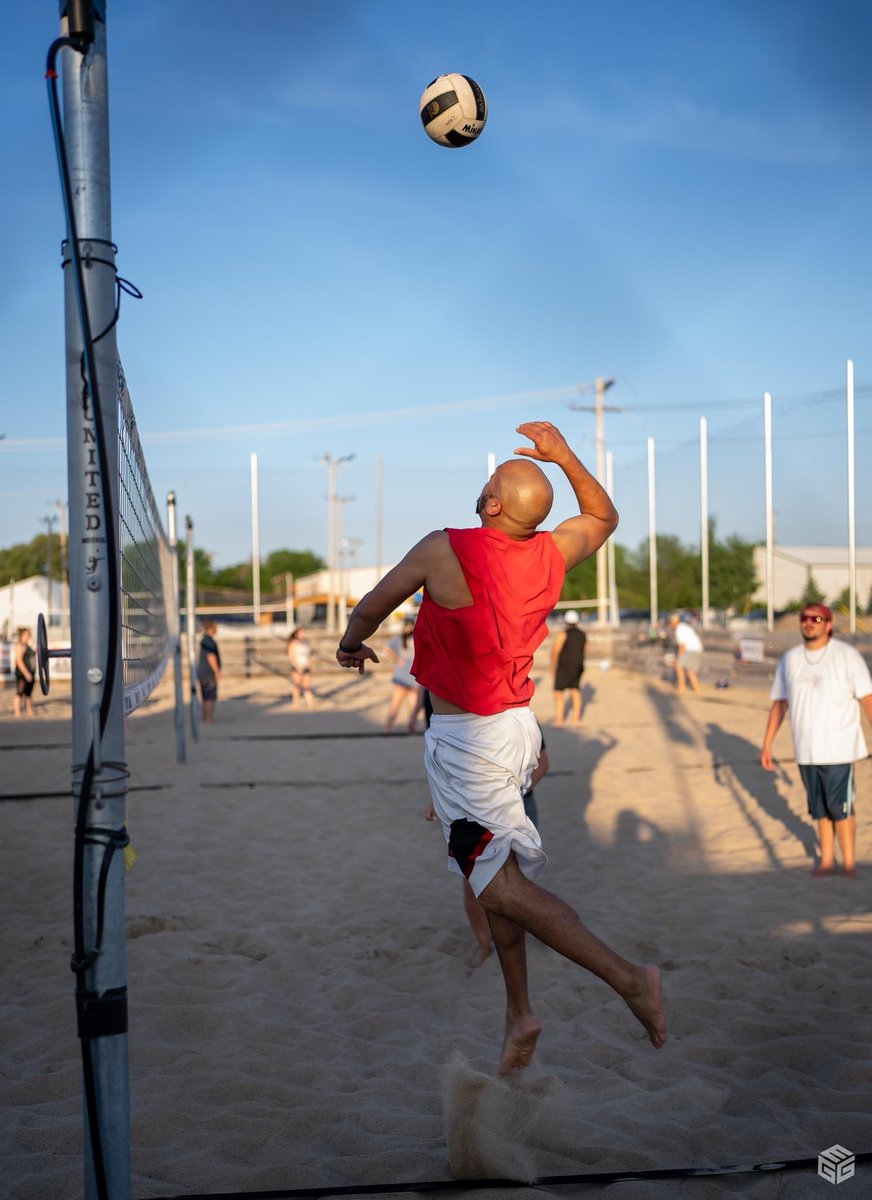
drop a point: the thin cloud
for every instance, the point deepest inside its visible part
(680, 122)
(418, 412)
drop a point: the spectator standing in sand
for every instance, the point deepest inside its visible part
(487, 593)
(300, 658)
(567, 663)
(688, 653)
(209, 670)
(821, 685)
(404, 685)
(25, 673)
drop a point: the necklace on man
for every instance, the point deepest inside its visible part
(813, 662)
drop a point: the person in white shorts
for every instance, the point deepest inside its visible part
(487, 593)
(688, 653)
(821, 685)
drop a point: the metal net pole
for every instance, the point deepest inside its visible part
(98, 769)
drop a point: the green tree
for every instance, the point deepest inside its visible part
(202, 566)
(298, 563)
(28, 558)
(812, 593)
(236, 576)
(842, 602)
(678, 575)
(580, 582)
(732, 578)
(273, 569)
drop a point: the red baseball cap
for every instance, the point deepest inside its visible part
(819, 609)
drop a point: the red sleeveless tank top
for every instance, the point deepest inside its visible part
(479, 657)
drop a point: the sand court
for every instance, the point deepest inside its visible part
(301, 1009)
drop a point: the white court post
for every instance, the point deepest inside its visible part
(191, 622)
(704, 518)
(600, 387)
(379, 503)
(652, 537)
(614, 610)
(175, 630)
(491, 464)
(852, 515)
(255, 542)
(770, 524)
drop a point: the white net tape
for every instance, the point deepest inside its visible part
(149, 618)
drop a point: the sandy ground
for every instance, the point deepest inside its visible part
(302, 1012)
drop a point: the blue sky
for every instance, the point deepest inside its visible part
(672, 196)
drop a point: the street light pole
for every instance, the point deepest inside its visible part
(48, 522)
(704, 518)
(332, 465)
(341, 543)
(602, 567)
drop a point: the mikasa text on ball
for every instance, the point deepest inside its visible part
(453, 110)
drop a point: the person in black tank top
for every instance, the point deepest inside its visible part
(567, 663)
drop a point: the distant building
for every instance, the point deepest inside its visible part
(21, 603)
(827, 566)
(312, 593)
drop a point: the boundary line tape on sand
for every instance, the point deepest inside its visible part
(144, 787)
(547, 1181)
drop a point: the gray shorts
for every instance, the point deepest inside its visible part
(691, 660)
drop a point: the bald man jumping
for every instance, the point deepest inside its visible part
(487, 593)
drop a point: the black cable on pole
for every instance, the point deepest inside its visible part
(82, 958)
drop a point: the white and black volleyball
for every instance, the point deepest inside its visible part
(453, 110)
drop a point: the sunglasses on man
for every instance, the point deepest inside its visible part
(816, 617)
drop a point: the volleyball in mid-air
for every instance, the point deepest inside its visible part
(453, 110)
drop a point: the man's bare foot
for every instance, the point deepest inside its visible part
(646, 1005)
(849, 872)
(820, 872)
(480, 955)
(520, 1044)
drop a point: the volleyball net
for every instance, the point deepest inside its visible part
(150, 623)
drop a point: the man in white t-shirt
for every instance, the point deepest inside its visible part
(819, 684)
(688, 653)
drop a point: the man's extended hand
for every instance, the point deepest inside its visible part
(549, 444)
(357, 658)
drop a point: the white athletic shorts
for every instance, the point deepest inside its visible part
(478, 769)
